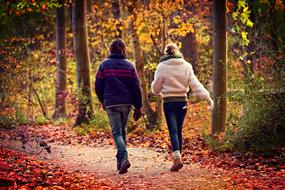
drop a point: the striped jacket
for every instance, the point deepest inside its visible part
(117, 82)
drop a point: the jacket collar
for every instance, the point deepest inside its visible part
(116, 56)
(167, 57)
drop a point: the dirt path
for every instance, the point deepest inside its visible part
(149, 170)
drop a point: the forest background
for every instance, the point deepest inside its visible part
(51, 50)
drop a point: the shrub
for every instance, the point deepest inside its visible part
(261, 125)
(100, 120)
(84, 129)
(61, 120)
(41, 120)
(20, 116)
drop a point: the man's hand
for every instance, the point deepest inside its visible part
(102, 107)
(211, 104)
(137, 114)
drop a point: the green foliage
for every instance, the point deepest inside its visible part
(20, 116)
(260, 126)
(61, 121)
(204, 68)
(41, 120)
(84, 129)
(242, 20)
(211, 142)
(100, 120)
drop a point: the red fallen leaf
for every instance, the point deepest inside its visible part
(33, 184)
(58, 187)
(19, 178)
(37, 171)
(5, 166)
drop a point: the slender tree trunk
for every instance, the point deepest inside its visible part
(60, 94)
(117, 16)
(70, 17)
(41, 103)
(163, 32)
(30, 103)
(85, 109)
(219, 66)
(151, 116)
(159, 102)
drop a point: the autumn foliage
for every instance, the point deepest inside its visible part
(248, 155)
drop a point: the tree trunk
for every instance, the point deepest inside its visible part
(117, 16)
(189, 49)
(189, 42)
(85, 109)
(70, 17)
(219, 66)
(41, 103)
(159, 102)
(151, 116)
(60, 94)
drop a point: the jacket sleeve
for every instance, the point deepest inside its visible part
(100, 84)
(197, 88)
(136, 90)
(156, 84)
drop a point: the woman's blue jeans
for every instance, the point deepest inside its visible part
(175, 114)
(118, 118)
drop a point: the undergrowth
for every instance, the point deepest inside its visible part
(256, 124)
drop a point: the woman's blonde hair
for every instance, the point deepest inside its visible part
(172, 49)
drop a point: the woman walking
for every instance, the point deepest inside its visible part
(172, 79)
(118, 88)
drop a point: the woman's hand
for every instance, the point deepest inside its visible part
(211, 103)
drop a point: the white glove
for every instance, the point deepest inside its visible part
(211, 103)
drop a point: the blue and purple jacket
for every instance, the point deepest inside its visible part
(117, 82)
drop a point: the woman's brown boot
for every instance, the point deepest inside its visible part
(177, 165)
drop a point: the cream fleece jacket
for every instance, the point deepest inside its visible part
(174, 76)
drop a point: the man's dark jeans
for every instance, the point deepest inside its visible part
(175, 113)
(118, 118)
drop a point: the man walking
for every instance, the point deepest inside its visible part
(118, 89)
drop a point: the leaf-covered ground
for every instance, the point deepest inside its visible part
(88, 162)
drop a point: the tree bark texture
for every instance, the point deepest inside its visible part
(189, 42)
(219, 66)
(85, 110)
(151, 116)
(60, 94)
(117, 16)
(189, 49)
